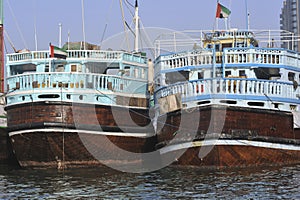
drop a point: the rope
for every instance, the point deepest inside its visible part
(107, 21)
(124, 24)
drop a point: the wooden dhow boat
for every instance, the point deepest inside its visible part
(228, 102)
(78, 106)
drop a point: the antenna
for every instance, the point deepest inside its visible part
(35, 31)
(1, 48)
(247, 16)
(136, 19)
(60, 33)
(83, 25)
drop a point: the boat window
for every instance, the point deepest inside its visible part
(266, 73)
(203, 102)
(59, 68)
(209, 46)
(293, 107)
(112, 71)
(79, 68)
(47, 68)
(227, 73)
(261, 104)
(48, 96)
(22, 69)
(228, 102)
(291, 76)
(226, 45)
(174, 77)
(73, 68)
(217, 47)
(242, 73)
(200, 75)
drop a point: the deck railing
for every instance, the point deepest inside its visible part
(242, 87)
(30, 56)
(231, 56)
(46, 81)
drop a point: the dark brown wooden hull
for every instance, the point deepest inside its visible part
(233, 156)
(77, 135)
(63, 147)
(4, 146)
(245, 137)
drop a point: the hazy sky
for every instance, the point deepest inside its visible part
(22, 16)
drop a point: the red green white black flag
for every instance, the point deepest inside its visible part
(222, 11)
(56, 52)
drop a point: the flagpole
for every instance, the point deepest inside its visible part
(216, 27)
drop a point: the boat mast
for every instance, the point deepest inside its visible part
(247, 16)
(1, 48)
(136, 19)
(83, 23)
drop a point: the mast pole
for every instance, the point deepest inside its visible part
(60, 35)
(247, 16)
(1, 48)
(83, 23)
(136, 19)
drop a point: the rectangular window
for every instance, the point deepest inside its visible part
(73, 68)
(227, 73)
(47, 68)
(242, 73)
(60, 68)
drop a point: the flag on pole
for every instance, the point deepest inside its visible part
(56, 52)
(222, 11)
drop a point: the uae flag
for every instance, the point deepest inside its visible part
(222, 11)
(56, 52)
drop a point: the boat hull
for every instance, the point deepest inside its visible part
(228, 137)
(4, 146)
(59, 134)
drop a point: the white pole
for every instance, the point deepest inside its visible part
(69, 40)
(247, 16)
(136, 19)
(35, 37)
(60, 33)
(83, 25)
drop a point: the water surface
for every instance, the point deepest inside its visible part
(168, 183)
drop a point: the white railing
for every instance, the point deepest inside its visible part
(30, 56)
(230, 56)
(48, 81)
(230, 86)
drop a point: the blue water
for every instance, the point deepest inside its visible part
(168, 183)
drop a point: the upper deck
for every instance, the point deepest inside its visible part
(232, 68)
(87, 76)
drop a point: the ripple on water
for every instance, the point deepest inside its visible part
(169, 183)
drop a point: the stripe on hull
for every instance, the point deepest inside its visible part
(138, 135)
(187, 145)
